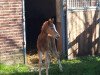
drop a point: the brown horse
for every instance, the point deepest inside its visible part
(46, 42)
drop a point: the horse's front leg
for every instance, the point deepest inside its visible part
(46, 61)
(59, 62)
(58, 58)
(55, 52)
(40, 61)
(60, 66)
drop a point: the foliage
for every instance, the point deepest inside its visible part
(79, 66)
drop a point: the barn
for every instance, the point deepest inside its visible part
(20, 22)
(11, 31)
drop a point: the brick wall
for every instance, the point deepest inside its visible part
(11, 36)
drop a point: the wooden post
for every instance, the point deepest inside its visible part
(58, 22)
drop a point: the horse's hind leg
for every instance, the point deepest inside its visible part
(40, 61)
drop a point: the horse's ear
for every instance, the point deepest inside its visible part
(51, 20)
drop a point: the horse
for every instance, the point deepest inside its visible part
(46, 42)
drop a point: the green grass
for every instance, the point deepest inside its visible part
(79, 66)
(11, 69)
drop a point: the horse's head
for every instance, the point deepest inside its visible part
(49, 28)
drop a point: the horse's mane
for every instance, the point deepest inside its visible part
(44, 26)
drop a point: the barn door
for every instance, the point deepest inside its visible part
(35, 12)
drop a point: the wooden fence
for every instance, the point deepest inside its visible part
(83, 27)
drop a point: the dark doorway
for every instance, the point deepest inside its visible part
(36, 12)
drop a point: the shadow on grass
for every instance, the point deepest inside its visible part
(22, 73)
(82, 66)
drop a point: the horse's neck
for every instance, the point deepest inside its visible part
(43, 37)
(42, 42)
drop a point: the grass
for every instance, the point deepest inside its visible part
(79, 66)
(11, 69)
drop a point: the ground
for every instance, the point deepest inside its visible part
(79, 66)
